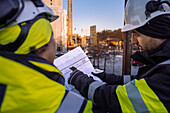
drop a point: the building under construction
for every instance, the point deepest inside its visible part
(70, 26)
(60, 25)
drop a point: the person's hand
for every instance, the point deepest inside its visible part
(73, 75)
(99, 73)
(108, 78)
(80, 80)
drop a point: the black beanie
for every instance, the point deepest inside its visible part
(159, 27)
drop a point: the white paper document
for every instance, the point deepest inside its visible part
(76, 58)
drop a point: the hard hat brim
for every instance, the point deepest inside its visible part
(30, 11)
(129, 27)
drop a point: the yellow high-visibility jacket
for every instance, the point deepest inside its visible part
(30, 84)
(148, 93)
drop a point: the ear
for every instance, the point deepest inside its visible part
(42, 49)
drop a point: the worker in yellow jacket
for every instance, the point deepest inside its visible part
(29, 82)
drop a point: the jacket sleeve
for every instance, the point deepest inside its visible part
(135, 96)
(112, 98)
(102, 94)
(112, 79)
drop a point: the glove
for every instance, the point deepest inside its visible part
(110, 79)
(101, 75)
(80, 80)
(73, 75)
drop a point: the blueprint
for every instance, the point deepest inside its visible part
(78, 59)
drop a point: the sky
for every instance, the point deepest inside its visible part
(105, 14)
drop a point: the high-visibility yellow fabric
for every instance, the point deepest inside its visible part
(28, 91)
(88, 108)
(46, 67)
(124, 101)
(9, 34)
(38, 35)
(150, 98)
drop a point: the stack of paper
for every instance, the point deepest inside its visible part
(76, 58)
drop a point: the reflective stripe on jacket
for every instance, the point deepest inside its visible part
(30, 84)
(148, 93)
(137, 96)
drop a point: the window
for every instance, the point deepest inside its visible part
(51, 2)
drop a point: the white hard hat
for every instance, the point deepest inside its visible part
(139, 12)
(17, 11)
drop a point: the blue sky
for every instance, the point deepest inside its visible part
(105, 14)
